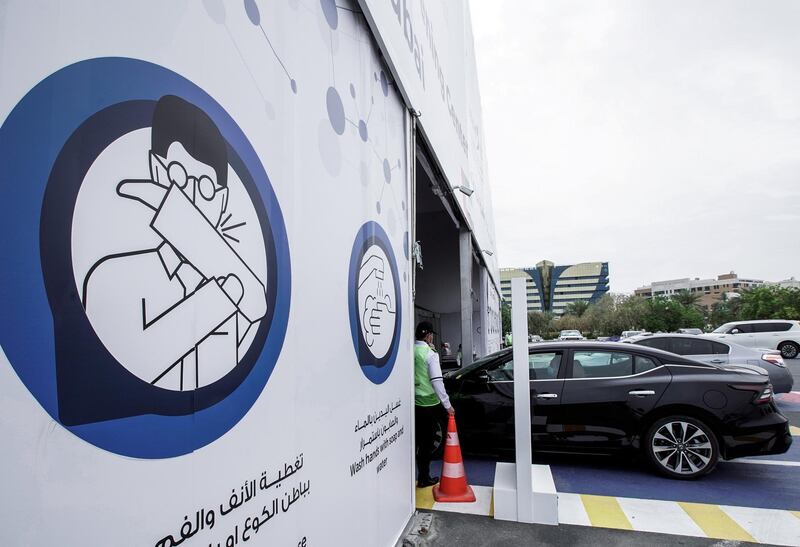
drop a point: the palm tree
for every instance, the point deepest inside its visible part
(576, 308)
(688, 299)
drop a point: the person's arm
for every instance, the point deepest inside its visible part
(150, 343)
(435, 373)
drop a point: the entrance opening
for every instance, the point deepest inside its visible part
(443, 257)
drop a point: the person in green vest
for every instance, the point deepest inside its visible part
(429, 399)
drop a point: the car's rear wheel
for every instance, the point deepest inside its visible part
(682, 447)
(789, 350)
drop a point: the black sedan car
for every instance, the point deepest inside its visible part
(608, 397)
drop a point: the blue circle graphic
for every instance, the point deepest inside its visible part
(251, 8)
(47, 143)
(333, 102)
(329, 9)
(377, 370)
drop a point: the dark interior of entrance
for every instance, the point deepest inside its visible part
(438, 293)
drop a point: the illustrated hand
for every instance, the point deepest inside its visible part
(377, 310)
(148, 192)
(373, 267)
(232, 287)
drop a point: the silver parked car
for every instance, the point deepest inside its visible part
(723, 352)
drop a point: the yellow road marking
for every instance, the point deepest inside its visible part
(795, 513)
(794, 430)
(604, 511)
(714, 522)
(425, 498)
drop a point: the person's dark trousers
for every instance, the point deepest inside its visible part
(426, 419)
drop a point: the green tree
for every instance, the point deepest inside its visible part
(505, 316)
(539, 322)
(687, 298)
(692, 317)
(569, 322)
(631, 313)
(601, 317)
(664, 314)
(724, 311)
(770, 302)
(577, 308)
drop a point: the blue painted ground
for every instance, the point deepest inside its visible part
(731, 483)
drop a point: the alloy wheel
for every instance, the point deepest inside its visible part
(438, 439)
(682, 447)
(788, 350)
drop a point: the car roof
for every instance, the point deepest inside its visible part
(762, 321)
(674, 334)
(664, 356)
(605, 346)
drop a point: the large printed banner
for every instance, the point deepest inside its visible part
(205, 330)
(430, 45)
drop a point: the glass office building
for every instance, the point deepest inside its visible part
(551, 288)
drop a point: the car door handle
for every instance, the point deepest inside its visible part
(642, 392)
(717, 361)
(547, 396)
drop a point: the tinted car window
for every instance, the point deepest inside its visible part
(601, 364)
(542, 366)
(689, 346)
(771, 327)
(658, 343)
(720, 349)
(744, 327)
(643, 364)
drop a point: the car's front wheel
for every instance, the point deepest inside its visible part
(789, 350)
(682, 447)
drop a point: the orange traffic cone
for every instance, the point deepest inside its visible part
(453, 486)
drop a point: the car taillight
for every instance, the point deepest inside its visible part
(763, 394)
(774, 359)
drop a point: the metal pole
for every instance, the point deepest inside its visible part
(411, 142)
(522, 399)
(465, 259)
(411, 234)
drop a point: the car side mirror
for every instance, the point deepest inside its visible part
(482, 377)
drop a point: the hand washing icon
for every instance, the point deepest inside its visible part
(376, 301)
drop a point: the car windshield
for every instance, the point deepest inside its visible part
(569, 332)
(721, 329)
(478, 363)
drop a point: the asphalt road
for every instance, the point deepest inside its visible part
(794, 368)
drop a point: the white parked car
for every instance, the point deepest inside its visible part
(629, 333)
(783, 335)
(571, 335)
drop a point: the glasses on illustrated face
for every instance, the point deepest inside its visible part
(204, 185)
(176, 173)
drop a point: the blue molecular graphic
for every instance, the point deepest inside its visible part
(254, 15)
(337, 112)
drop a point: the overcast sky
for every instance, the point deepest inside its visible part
(662, 137)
